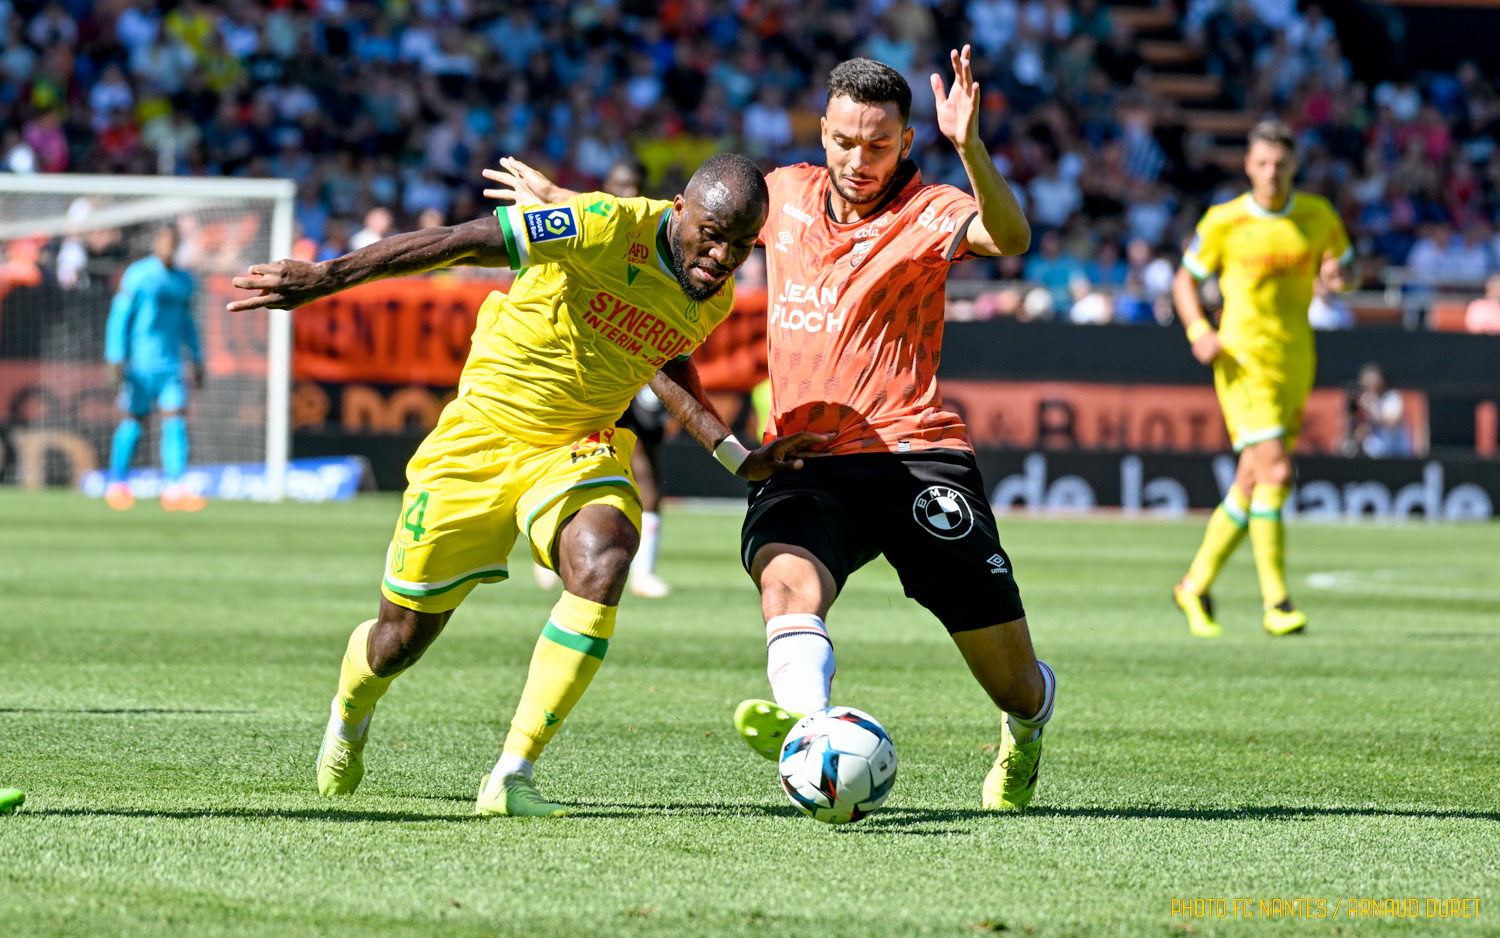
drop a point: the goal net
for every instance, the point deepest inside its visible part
(65, 241)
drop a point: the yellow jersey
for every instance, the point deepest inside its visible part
(595, 312)
(1267, 263)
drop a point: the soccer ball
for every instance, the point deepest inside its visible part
(838, 765)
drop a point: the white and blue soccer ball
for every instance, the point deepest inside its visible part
(838, 765)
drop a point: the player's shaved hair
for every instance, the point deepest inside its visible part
(727, 185)
(865, 81)
(1275, 132)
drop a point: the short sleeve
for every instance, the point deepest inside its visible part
(551, 234)
(1205, 255)
(945, 222)
(1338, 238)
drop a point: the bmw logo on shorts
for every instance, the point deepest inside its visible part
(944, 512)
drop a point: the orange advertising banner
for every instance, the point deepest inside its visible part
(417, 330)
(1141, 417)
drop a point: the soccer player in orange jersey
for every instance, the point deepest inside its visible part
(857, 253)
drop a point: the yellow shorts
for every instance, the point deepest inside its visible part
(1262, 403)
(472, 489)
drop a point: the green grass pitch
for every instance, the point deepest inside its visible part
(164, 680)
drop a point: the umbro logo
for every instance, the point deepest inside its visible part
(997, 564)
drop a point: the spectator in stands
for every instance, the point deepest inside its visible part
(1328, 312)
(1377, 412)
(378, 224)
(1054, 270)
(1483, 315)
(393, 105)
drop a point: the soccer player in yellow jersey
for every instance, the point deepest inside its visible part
(1268, 246)
(613, 292)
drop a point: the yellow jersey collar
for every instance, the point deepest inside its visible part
(1255, 208)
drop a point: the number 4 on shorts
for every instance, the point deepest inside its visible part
(412, 520)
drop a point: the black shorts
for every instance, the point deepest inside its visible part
(926, 512)
(647, 423)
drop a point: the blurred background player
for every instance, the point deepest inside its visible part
(647, 419)
(1268, 247)
(150, 327)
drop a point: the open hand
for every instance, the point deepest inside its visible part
(284, 284)
(958, 110)
(786, 452)
(522, 185)
(1332, 272)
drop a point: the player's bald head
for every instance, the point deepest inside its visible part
(715, 223)
(728, 187)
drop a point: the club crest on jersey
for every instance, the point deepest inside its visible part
(943, 512)
(550, 224)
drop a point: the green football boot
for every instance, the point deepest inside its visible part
(341, 764)
(515, 796)
(764, 726)
(11, 799)
(1012, 779)
(1284, 619)
(1199, 610)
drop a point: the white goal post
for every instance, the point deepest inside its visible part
(64, 240)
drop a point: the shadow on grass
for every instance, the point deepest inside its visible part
(918, 822)
(901, 818)
(122, 710)
(288, 814)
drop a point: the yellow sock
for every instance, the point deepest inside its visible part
(359, 687)
(1226, 528)
(567, 656)
(1268, 540)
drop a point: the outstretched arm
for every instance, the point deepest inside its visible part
(680, 390)
(288, 284)
(1001, 226)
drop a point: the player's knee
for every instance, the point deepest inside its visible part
(400, 636)
(1277, 472)
(596, 553)
(792, 582)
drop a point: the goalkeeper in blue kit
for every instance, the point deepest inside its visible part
(149, 333)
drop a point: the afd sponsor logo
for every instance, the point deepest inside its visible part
(1430, 499)
(550, 224)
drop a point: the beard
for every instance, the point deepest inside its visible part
(690, 289)
(875, 194)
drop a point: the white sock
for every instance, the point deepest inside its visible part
(1027, 729)
(350, 732)
(799, 662)
(510, 765)
(645, 557)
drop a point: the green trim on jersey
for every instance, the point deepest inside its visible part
(664, 245)
(513, 245)
(406, 588)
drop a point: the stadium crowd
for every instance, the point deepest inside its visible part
(384, 114)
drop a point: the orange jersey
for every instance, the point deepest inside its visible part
(855, 318)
